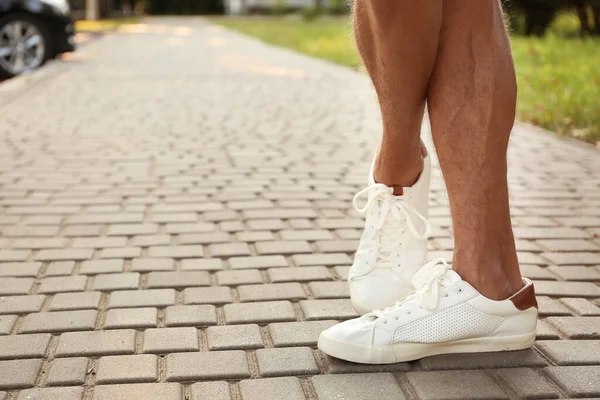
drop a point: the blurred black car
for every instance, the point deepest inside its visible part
(31, 32)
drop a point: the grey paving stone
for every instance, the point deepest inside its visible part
(545, 332)
(567, 289)
(286, 361)
(166, 340)
(23, 346)
(82, 230)
(337, 366)
(207, 365)
(572, 258)
(29, 231)
(283, 247)
(536, 272)
(64, 254)
(234, 337)
(67, 371)
(342, 272)
(337, 246)
(330, 290)
(228, 249)
(122, 281)
(131, 318)
(20, 268)
(567, 245)
(260, 312)
(327, 309)
(97, 343)
(75, 301)
(60, 268)
(203, 238)
(189, 227)
(207, 295)
(152, 264)
(254, 236)
(151, 240)
(60, 321)
(142, 298)
(127, 369)
(257, 262)
(139, 391)
(357, 386)
(272, 291)
(211, 390)
(14, 255)
(239, 277)
(576, 327)
(577, 381)
(6, 323)
(14, 286)
(309, 234)
(63, 393)
(93, 267)
(527, 384)
(303, 274)
(200, 315)
(188, 251)
(62, 284)
(99, 242)
(178, 279)
(286, 334)
(322, 259)
(18, 374)
(40, 243)
(208, 264)
(582, 307)
(548, 306)
(572, 273)
(571, 352)
(288, 388)
(433, 385)
(521, 358)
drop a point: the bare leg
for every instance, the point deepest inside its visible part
(471, 99)
(398, 40)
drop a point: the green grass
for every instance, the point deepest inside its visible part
(558, 75)
(104, 25)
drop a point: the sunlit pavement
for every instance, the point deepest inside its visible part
(175, 223)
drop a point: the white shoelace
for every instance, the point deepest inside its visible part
(429, 281)
(387, 229)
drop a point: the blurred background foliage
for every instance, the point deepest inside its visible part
(557, 55)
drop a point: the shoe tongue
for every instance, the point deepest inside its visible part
(431, 270)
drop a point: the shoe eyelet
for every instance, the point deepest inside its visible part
(460, 290)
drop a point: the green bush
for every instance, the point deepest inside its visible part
(310, 13)
(338, 7)
(280, 7)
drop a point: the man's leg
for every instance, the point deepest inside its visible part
(471, 103)
(398, 40)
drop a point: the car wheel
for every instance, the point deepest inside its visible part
(24, 44)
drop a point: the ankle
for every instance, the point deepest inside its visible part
(496, 281)
(398, 170)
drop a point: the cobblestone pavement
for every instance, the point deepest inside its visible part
(175, 223)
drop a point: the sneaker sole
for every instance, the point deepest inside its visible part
(414, 351)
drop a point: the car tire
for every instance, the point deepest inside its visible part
(43, 31)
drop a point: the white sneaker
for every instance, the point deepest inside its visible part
(394, 243)
(445, 315)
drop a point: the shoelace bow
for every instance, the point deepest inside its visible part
(398, 208)
(428, 280)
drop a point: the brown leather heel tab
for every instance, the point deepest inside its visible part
(525, 298)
